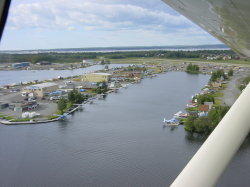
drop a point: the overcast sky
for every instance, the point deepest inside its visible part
(47, 24)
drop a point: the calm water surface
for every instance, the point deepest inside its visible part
(9, 77)
(118, 141)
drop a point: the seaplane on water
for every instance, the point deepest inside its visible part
(171, 122)
(64, 116)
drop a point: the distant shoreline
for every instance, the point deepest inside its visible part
(119, 49)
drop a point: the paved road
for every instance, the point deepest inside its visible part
(231, 93)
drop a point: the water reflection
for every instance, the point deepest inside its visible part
(195, 137)
(169, 128)
(118, 141)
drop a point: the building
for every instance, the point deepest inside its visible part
(216, 84)
(96, 77)
(23, 106)
(43, 63)
(210, 104)
(21, 65)
(203, 110)
(86, 62)
(41, 90)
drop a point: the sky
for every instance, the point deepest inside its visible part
(50, 24)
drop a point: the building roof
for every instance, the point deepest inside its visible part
(42, 85)
(204, 108)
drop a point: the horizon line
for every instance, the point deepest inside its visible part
(121, 47)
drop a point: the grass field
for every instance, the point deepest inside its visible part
(165, 60)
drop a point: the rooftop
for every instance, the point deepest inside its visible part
(204, 108)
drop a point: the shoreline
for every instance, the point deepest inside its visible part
(169, 68)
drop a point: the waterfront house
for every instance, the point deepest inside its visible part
(210, 104)
(216, 84)
(203, 110)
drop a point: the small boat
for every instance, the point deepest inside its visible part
(191, 105)
(171, 122)
(181, 114)
(177, 115)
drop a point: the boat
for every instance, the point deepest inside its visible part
(177, 115)
(180, 114)
(191, 105)
(171, 122)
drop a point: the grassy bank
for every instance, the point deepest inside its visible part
(155, 60)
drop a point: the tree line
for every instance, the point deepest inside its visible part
(78, 57)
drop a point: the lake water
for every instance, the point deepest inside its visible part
(9, 77)
(119, 141)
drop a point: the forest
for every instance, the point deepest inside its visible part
(56, 57)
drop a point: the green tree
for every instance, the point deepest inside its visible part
(189, 124)
(218, 75)
(230, 72)
(71, 96)
(206, 124)
(75, 97)
(102, 88)
(192, 68)
(204, 98)
(62, 104)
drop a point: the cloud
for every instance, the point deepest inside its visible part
(41, 24)
(91, 15)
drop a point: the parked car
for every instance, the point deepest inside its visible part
(54, 98)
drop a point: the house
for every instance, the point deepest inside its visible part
(216, 84)
(96, 77)
(203, 110)
(41, 90)
(43, 63)
(210, 104)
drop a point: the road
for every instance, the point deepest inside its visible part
(232, 92)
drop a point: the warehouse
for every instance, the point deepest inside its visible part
(41, 90)
(96, 77)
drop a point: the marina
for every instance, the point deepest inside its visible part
(95, 142)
